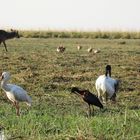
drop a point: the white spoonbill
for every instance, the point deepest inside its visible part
(14, 93)
(107, 86)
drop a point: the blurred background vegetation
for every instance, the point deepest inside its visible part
(81, 34)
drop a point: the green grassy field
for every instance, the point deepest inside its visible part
(47, 75)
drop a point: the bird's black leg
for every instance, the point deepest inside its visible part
(17, 109)
(106, 97)
(93, 110)
(89, 110)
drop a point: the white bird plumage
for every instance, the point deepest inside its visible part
(79, 47)
(107, 86)
(14, 93)
(90, 50)
(96, 51)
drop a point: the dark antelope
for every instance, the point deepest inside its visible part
(7, 35)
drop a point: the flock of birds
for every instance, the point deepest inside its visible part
(105, 86)
(61, 49)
